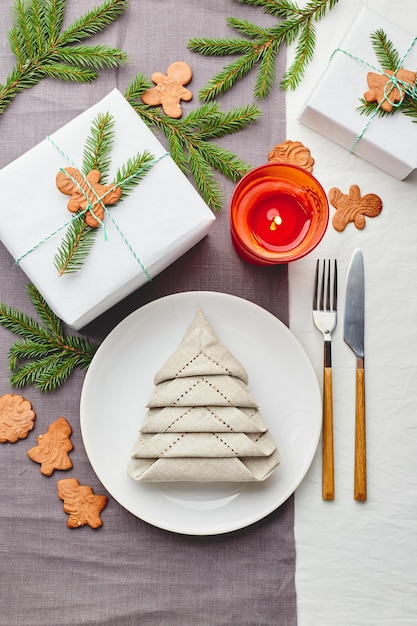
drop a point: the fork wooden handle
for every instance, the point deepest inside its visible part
(328, 454)
(360, 438)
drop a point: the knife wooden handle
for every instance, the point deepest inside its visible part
(360, 438)
(328, 455)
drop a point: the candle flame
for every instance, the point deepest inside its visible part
(277, 221)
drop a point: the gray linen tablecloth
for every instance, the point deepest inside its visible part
(128, 572)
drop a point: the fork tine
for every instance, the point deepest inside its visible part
(335, 286)
(316, 285)
(323, 274)
(328, 285)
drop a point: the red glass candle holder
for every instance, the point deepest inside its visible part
(278, 213)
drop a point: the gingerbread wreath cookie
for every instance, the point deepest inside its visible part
(170, 90)
(292, 152)
(353, 207)
(53, 448)
(17, 418)
(80, 502)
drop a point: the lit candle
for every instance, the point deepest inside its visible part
(278, 212)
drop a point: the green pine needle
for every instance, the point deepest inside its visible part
(43, 50)
(44, 356)
(260, 46)
(190, 139)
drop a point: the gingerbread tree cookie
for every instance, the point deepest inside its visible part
(53, 448)
(386, 91)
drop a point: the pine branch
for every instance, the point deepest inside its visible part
(189, 139)
(303, 55)
(79, 238)
(75, 247)
(42, 50)
(49, 319)
(388, 57)
(98, 145)
(133, 171)
(45, 357)
(260, 46)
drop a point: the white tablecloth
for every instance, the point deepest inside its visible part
(356, 562)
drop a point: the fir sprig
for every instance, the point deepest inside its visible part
(98, 145)
(79, 237)
(190, 139)
(43, 50)
(44, 356)
(388, 59)
(133, 171)
(257, 47)
(75, 247)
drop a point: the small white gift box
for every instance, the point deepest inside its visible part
(162, 217)
(388, 142)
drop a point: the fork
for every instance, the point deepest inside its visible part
(325, 319)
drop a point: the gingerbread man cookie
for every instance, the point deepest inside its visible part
(85, 191)
(53, 448)
(170, 90)
(16, 418)
(386, 95)
(80, 502)
(353, 207)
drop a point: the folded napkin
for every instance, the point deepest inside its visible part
(202, 424)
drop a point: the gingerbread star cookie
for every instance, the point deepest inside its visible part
(80, 502)
(170, 90)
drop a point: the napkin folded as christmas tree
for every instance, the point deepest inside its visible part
(203, 424)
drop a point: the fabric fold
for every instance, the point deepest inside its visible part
(203, 423)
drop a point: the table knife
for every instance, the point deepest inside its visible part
(353, 335)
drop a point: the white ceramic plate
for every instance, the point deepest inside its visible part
(119, 382)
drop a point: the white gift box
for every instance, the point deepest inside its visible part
(388, 142)
(160, 220)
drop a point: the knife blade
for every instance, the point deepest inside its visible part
(354, 336)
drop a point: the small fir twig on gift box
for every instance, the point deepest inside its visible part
(77, 243)
(45, 356)
(189, 139)
(389, 59)
(43, 50)
(258, 46)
